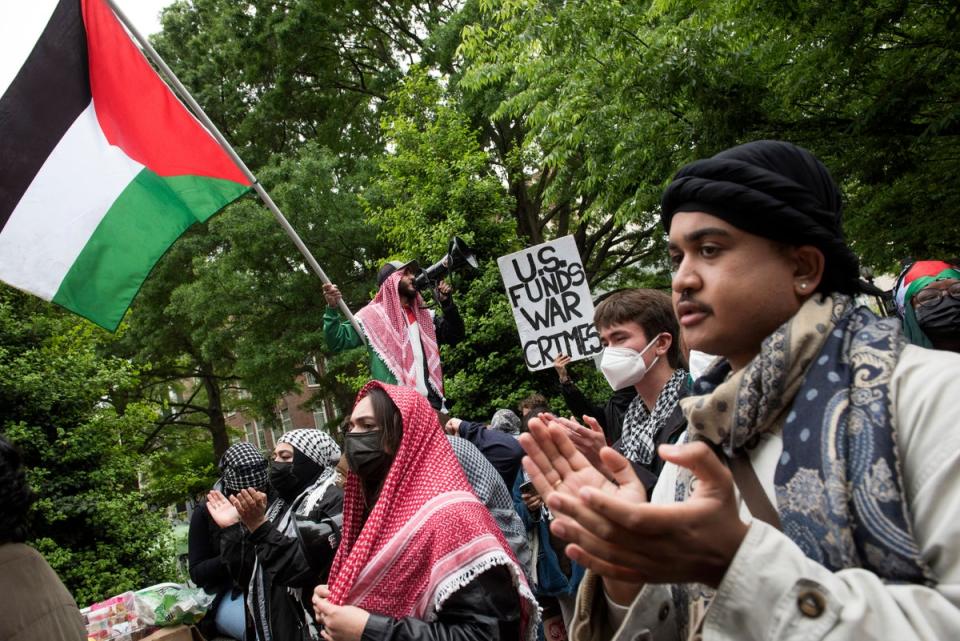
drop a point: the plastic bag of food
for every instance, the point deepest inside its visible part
(173, 605)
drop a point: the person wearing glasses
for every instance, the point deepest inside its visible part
(927, 295)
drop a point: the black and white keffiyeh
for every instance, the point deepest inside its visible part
(316, 445)
(320, 448)
(640, 426)
(243, 466)
(489, 487)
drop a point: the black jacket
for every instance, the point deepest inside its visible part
(297, 562)
(450, 331)
(609, 415)
(501, 449)
(486, 609)
(669, 434)
(207, 569)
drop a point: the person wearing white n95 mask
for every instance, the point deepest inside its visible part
(641, 338)
(624, 366)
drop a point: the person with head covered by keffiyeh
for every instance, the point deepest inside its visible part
(927, 296)
(403, 335)
(814, 494)
(285, 547)
(241, 466)
(421, 557)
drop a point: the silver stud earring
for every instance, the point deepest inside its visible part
(803, 285)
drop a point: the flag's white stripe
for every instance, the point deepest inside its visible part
(62, 207)
(23, 23)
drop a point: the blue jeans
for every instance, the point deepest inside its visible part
(230, 617)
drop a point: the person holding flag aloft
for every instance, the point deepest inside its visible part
(402, 334)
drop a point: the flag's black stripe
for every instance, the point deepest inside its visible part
(50, 91)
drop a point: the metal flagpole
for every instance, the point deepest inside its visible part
(198, 111)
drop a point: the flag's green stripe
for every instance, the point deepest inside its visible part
(139, 227)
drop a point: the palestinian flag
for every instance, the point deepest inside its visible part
(101, 167)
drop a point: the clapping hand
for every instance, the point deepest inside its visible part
(251, 505)
(221, 510)
(614, 531)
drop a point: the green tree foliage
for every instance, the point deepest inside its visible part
(623, 93)
(437, 182)
(233, 306)
(90, 522)
(275, 74)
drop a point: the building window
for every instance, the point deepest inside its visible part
(308, 376)
(285, 421)
(277, 433)
(320, 417)
(261, 435)
(249, 430)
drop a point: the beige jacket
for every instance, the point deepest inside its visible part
(36, 606)
(772, 591)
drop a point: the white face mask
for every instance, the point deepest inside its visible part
(623, 366)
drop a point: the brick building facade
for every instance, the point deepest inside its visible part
(290, 415)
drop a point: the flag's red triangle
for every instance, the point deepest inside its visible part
(139, 113)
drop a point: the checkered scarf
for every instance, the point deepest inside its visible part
(243, 466)
(316, 445)
(427, 535)
(489, 487)
(385, 325)
(640, 426)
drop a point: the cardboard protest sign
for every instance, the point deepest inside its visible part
(548, 290)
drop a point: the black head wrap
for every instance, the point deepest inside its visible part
(775, 190)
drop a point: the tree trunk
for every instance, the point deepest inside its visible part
(218, 424)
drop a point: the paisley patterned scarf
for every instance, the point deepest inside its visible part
(824, 378)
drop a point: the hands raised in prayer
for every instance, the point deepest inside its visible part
(251, 505)
(221, 510)
(611, 527)
(589, 440)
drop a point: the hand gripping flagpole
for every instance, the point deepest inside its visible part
(201, 115)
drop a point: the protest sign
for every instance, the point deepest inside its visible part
(547, 288)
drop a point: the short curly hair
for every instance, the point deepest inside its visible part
(15, 495)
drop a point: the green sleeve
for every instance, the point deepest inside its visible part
(339, 332)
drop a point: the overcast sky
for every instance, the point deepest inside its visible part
(145, 14)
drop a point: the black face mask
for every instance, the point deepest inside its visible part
(292, 478)
(366, 457)
(940, 319)
(284, 481)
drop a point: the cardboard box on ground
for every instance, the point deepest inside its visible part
(176, 633)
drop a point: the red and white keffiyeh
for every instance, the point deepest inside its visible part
(385, 324)
(427, 536)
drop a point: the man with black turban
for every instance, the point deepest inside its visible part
(814, 495)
